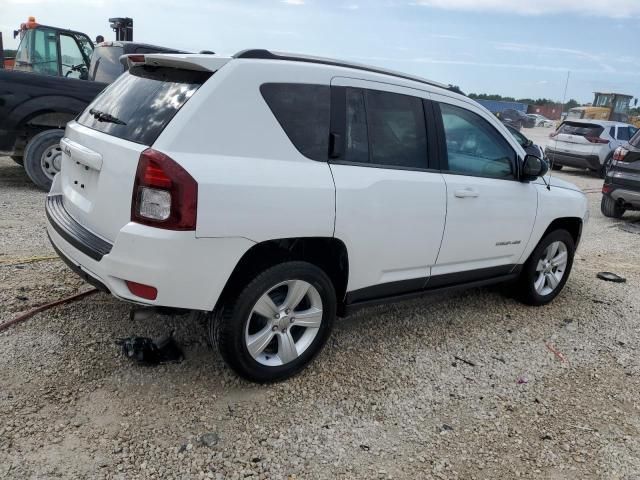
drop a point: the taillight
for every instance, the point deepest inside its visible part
(620, 154)
(164, 194)
(597, 140)
(607, 188)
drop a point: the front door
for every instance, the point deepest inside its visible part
(490, 214)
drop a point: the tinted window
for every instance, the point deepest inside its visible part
(45, 53)
(625, 133)
(474, 146)
(581, 129)
(357, 139)
(303, 113)
(105, 64)
(385, 129)
(142, 102)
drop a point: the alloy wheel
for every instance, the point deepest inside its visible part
(283, 323)
(551, 268)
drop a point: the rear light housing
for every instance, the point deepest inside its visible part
(164, 194)
(141, 290)
(597, 140)
(620, 154)
(607, 188)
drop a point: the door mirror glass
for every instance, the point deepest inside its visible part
(533, 167)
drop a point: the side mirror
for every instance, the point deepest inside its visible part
(533, 167)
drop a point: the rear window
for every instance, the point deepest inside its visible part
(105, 64)
(581, 129)
(303, 113)
(142, 102)
(625, 133)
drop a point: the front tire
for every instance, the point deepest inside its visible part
(610, 208)
(547, 269)
(42, 157)
(277, 324)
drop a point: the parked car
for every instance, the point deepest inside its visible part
(541, 120)
(621, 189)
(35, 107)
(529, 147)
(283, 190)
(587, 144)
(516, 119)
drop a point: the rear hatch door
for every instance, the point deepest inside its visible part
(574, 138)
(102, 148)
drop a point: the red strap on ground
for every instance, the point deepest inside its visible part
(41, 308)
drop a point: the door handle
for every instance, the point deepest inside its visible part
(467, 193)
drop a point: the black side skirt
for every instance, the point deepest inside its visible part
(439, 284)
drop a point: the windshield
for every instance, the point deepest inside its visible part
(142, 102)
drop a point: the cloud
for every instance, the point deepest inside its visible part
(293, 2)
(620, 9)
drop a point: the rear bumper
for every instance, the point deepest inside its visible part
(188, 272)
(623, 195)
(573, 160)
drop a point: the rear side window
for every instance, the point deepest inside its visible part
(105, 64)
(142, 102)
(625, 133)
(581, 129)
(303, 112)
(385, 129)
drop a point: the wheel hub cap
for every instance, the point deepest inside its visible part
(551, 268)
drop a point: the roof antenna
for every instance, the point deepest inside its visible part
(553, 155)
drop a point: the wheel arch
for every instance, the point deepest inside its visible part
(573, 225)
(327, 253)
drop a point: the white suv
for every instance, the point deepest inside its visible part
(278, 191)
(587, 144)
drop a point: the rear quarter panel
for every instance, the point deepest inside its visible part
(252, 181)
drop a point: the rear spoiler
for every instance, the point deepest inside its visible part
(201, 62)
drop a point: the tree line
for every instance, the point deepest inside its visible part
(529, 101)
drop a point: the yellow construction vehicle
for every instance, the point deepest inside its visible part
(607, 106)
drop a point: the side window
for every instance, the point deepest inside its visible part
(624, 133)
(474, 146)
(70, 56)
(45, 52)
(303, 111)
(357, 138)
(386, 129)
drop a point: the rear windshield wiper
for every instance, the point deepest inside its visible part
(105, 117)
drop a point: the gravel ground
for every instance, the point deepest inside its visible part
(466, 386)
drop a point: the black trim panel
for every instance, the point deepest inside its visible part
(351, 308)
(389, 292)
(74, 233)
(76, 269)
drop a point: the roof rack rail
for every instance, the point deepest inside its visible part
(263, 54)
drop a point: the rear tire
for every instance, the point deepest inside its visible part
(18, 160)
(547, 269)
(610, 208)
(264, 334)
(42, 158)
(555, 166)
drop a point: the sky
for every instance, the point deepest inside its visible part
(518, 48)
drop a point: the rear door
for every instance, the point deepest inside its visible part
(101, 149)
(390, 200)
